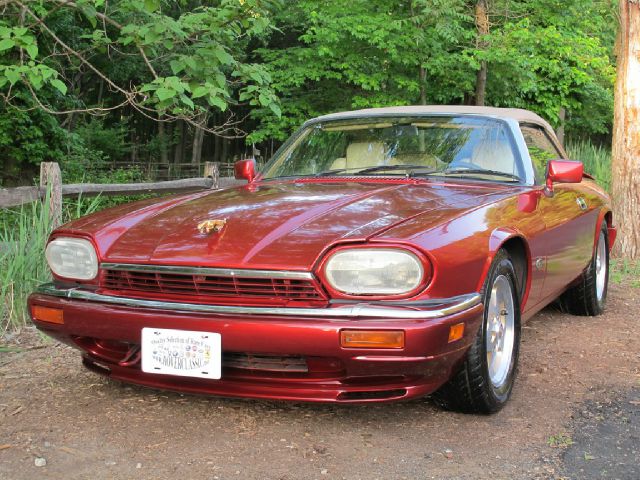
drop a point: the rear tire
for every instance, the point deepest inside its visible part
(485, 381)
(589, 296)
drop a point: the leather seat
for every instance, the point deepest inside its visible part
(494, 155)
(361, 155)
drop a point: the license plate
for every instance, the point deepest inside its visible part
(181, 352)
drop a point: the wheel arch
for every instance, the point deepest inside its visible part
(518, 249)
(606, 216)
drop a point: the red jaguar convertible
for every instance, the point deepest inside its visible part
(380, 255)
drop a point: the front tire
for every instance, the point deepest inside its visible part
(485, 381)
(589, 295)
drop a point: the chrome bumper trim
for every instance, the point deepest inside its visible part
(218, 272)
(462, 303)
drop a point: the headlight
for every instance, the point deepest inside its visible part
(73, 258)
(374, 271)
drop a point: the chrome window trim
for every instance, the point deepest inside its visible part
(445, 308)
(219, 272)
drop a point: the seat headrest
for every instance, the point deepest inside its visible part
(494, 155)
(365, 154)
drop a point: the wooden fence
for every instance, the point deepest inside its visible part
(51, 180)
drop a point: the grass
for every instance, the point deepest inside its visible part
(560, 440)
(23, 236)
(596, 160)
(624, 271)
(22, 263)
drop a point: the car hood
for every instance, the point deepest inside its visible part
(272, 225)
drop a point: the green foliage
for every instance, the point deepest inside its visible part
(28, 137)
(97, 136)
(269, 65)
(324, 59)
(202, 50)
(547, 61)
(38, 75)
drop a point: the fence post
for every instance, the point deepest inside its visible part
(51, 179)
(211, 170)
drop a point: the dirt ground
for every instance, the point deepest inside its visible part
(574, 414)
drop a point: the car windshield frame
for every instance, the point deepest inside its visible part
(269, 168)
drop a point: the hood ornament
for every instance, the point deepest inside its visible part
(209, 226)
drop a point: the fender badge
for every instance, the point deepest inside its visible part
(209, 226)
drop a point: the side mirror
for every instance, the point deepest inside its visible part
(563, 171)
(245, 169)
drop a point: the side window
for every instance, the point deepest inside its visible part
(541, 148)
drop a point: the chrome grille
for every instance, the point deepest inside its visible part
(210, 285)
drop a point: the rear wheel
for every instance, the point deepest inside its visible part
(484, 382)
(589, 295)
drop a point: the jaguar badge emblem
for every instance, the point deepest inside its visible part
(209, 226)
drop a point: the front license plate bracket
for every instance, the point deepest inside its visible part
(184, 353)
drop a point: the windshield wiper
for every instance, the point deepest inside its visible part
(472, 171)
(377, 168)
(382, 168)
(330, 172)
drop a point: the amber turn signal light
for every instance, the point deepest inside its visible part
(47, 314)
(456, 332)
(372, 338)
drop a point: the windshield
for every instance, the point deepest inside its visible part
(419, 146)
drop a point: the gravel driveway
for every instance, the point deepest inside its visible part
(574, 414)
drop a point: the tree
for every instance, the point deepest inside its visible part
(155, 59)
(177, 77)
(330, 57)
(545, 58)
(626, 132)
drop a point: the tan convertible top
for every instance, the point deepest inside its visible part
(517, 114)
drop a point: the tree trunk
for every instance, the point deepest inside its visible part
(164, 154)
(100, 92)
(217, 149)
(198, 137)
(562, 115)
(423, 87)
(482, 25)
(196, 151)
(626, 132)
(225, 152)
(178, 153)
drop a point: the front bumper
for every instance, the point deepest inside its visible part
(335, 374)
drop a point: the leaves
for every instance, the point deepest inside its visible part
(223, 57)
(165, 93)
(6, 44)
(12, 75)
(151, 5)
(32, 50)
(59, 85)
(282, 62)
